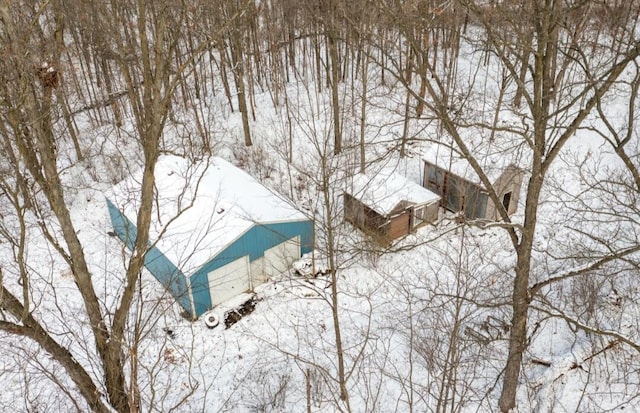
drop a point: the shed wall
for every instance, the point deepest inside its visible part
(353, 211)
(509, 181)
(155, 261)
(399, 226)
(431, 212)
(252, 243)
(457, 194)
(362, 216)
(476, 201)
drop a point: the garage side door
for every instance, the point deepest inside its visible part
(229, 280)
(279, 258)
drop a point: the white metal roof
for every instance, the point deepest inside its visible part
(383, 191)
(201, 208)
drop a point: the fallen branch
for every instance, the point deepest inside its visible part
(609, 346)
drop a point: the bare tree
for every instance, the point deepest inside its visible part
(326, 177)
(143, 39)
(556, 107)
(237, 38)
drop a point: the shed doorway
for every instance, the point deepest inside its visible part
(229, 280)
(418, 215)
(506, 201)
(278, 259)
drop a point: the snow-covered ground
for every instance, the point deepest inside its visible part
(423, 322)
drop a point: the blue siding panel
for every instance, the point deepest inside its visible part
(155, 261)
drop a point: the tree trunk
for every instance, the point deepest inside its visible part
(520, 297)
(363, 110)
(332, 38)
(335, 310)
(407, 104)
(238, 71)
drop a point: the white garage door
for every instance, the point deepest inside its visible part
(229, 280)
(279, 258)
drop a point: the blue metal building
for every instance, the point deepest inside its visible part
(216, 233)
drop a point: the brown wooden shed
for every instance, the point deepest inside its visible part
(388, 206)
(460, 188)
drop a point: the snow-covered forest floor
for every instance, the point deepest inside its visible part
(424, 321)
